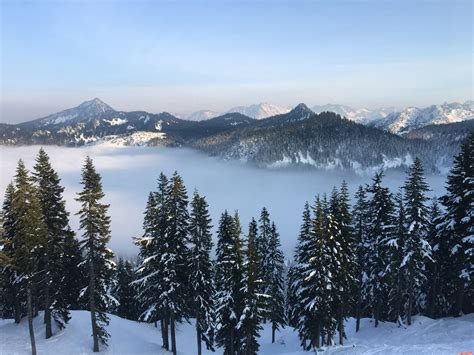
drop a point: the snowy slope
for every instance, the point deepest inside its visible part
(86, 111)
(425, 336)
(259, 111)
(414, 117)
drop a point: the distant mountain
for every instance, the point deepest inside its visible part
(301, 138)
(260, 111)
(86, 111)
(362, 115)
(297, 138)
(413, 117)
(201, 115)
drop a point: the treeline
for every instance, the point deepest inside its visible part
(388, 256)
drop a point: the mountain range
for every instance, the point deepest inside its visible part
(324, 137)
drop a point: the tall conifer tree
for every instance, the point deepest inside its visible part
(99, 267)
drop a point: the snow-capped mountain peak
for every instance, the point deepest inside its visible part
(95, 104)
(414, 117)
(260, 111)
(361, 115)
(201, 115)
(87, 110)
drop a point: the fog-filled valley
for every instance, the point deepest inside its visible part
(130, 173)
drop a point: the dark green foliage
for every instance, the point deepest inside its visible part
(229, 284)
(56, 219)
(99, 267)
(253, 311)
(202, 290)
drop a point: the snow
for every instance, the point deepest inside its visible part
(414, 117)
(424, 336)
(116, 121)
(139, 138)
(260, 111)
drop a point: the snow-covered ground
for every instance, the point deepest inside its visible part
(425, 336)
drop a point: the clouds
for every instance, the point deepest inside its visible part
(130, 173)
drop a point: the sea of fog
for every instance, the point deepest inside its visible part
(130, 173)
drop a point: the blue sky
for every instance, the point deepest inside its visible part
(185, 56)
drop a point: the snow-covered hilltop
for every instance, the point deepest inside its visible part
(414, 117)
(361, 115)
(260, 111)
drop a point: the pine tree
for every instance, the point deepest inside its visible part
(56, 220)
(381, 229)
(176, 255)
(276, 288)
(346, 260)
(229, 284)
(435, 305)
(416, 249)
(261, 244)
(252, 314)
(360, 215)
(295, 312)
(201, 272)
(150, 277)
(30, 233)
(458, 228)
(396, 245)
(95, 224)
(12, 293)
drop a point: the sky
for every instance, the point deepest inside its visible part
(185, 56)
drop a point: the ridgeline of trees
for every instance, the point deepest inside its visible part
(389, 256)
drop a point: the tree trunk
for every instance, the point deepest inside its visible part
(341, 324)
(17, 309)
(318, 334)
(164, 334)
(410, 300)
(273, 331)
(323, 338)
(198, 335)
(173, 333)
(460, 299)
(47, 309)
(95, 334)
(232, 352)
(358, 315)
(30, 318)
(376, 313)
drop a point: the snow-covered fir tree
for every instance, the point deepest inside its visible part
(56, 219)
(457, 228)
(253, 311)
(99, 266)
(381, 226)
(262, 243)
(416, 250)
(201, 275)
(229, 284)
(346, 260)
(153, 245)
(360, 220)
(176, 254)
(276, 288)
(12, 293)
(437, 281)
(295, 311)
(30, 233)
